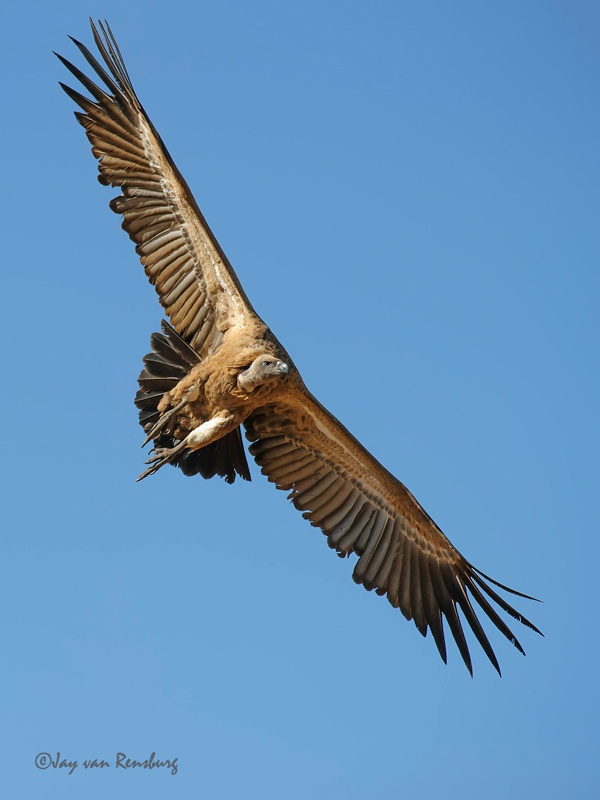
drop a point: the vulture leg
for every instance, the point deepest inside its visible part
(207, 432)
(221, 424)
(160, 425)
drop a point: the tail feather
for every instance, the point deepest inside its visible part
(170, 360)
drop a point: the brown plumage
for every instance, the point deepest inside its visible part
(218, 367)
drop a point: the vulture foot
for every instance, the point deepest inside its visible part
(162, 423)
(162, 456)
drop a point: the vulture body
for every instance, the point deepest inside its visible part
(218, 367)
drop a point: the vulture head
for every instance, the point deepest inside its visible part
(263, 372)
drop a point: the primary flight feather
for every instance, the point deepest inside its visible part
(217, 366)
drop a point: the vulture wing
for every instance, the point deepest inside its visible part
(364, 509)
(194, 280)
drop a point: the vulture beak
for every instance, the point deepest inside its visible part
(283, 367)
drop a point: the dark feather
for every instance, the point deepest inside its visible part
(170, 360)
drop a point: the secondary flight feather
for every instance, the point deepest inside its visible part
(217, 367)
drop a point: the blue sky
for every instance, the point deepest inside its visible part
(409, 195)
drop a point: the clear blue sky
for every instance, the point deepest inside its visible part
(409, 194)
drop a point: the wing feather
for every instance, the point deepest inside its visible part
(193, 278)
(296, 467)
(365, 535)
(346, 544)
(331, 504)
(403, 588)
(315, 493)
(433, 613)
(341, 516)
(371, 538)
(363, 509)
(416, 592)
(377, 553)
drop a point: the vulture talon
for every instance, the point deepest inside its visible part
(162, 456)
(162, 423)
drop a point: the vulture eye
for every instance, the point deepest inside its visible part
(266, 363)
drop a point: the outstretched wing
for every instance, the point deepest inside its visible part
(363, 509)
(195, 282)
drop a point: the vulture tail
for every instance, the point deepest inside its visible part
(170, 360)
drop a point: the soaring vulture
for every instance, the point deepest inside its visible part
(217, 366)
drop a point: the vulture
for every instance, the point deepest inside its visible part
(216, 367)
